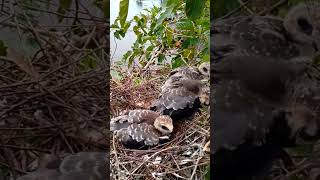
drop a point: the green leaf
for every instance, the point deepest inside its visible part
(170, 3)
(187, 53)
(208, 174)
(184, 24)
(123, 13)
(127, 54)
(122, 33)
(161, 57)
(205, 58)
(194, 8)
(131, 58)
(150, 48)
(114, 26)
(177, 62)
(136, 29)
(144, 18)
(117, 35)
(169, 35)
(190, 42)
(146, 38)
(165, 14)
(116, 75)
(3, 49)
(126, 26)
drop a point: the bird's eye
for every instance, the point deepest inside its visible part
(205, 69)
(305, 26)
(164, 128)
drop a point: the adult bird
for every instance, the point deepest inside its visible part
(138, 129)
(79, 166)
(260, 106)
(184, 92)
(298, 34)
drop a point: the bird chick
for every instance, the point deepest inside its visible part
(141, 128)
(181, 100)
(184, 92)
(302, 121)
(303, 24)
(200, 73)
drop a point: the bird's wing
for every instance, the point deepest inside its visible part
(238, 117)
(141, 115)
(144, 132)
(131, 117)
(119, 122)
(139, 134)
(177, 98)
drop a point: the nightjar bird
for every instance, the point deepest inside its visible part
(184, 92)
(139, 129)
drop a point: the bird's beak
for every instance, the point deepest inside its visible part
(204, 80)
(164, 137)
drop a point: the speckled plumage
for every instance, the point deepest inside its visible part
(141, 128)
(182, 93)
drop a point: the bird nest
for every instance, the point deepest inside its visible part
(51, 103)
(184, 157)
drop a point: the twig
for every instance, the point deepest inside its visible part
(153, 57)
(151, 157)
(279, 3)
(245, 6)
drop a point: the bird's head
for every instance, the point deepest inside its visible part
(164, 124)
(303, 24)
(204, 69)
(303, 122)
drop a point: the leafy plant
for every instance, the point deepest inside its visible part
(178, 32)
